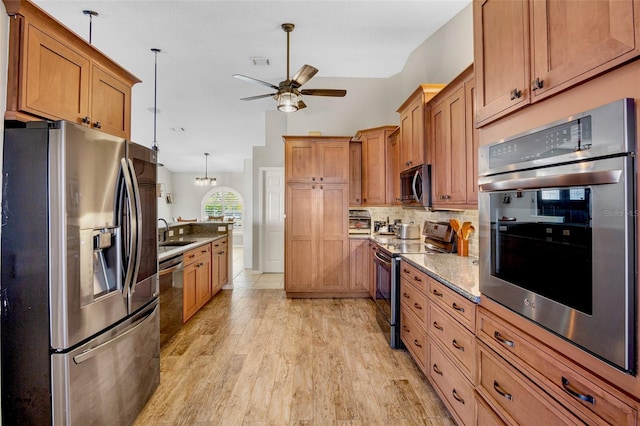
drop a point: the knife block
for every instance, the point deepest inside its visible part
(463, 247)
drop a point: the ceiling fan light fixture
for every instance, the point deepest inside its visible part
(288, 102)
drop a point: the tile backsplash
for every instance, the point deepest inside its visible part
(419, 216)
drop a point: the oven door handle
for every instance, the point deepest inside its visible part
(383, 260)
(572, 179)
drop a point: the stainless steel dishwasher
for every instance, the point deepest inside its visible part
(171, 284)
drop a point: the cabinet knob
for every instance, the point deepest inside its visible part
(321, 178)
(86, 120)
(97, 125)
(515, 94)
(537, 84)
(313, 178)
(364, 200)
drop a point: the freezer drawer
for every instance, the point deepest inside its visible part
(108, 380)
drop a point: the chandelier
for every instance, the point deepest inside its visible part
(206, 180)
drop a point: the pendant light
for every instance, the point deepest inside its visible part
(155, 146)
(206, 180)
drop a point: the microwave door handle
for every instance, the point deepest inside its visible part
(414, 189)
(571, 179)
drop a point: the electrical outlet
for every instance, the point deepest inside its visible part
(171, 233)
(180, 231)
(222, 228)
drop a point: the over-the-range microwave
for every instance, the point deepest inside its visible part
(415, 186)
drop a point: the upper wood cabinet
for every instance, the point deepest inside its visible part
(412, 125)
(453, 144)
(54, 74)
(525, 51)
(374, 164)
(317, 159)
(393, 168)
(355, 173)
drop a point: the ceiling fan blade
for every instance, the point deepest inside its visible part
(324, 92)
(250, 98)
(301, 104)
(253, 80)
(303, 75)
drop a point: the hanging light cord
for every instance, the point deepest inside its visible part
(155, 98)
(91, 14)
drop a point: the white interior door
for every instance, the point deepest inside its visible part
(272, 238)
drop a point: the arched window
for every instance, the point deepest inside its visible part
(223, 202)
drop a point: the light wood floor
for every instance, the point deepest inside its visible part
(253, 357)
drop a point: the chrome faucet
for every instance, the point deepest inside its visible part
(166, 229)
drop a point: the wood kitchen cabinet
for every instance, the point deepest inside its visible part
(453, 145)
(412, 125)
(555, 385)
(359, 264)
(196, 280)
(393, 168)
(525, 51)
(54, 74)
(220, 264)
(413, 314)
(316, 159)
(355, 173)
(317, 221)
(374, 164)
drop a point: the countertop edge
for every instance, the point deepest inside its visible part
(472, 297)
(178, 250)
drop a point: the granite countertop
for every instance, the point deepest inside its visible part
(459, 273)
(167, 252)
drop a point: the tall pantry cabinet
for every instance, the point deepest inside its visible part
(316, 216)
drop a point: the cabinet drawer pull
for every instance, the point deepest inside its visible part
(436, 293)
(97, 125)
(498, 389)
(457, 345)
(406, 271)
(505, 342)
(86, 120)
(457, 308)
(537, 84)
(437, 326)
(586, 398)
(405, 328)
(416, 278)
(515, 94)
(455, 395)
(417, 305)
(191, 256)
(415, 342)
(436, 369)
(406, 296)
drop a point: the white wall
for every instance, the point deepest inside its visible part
(165, 210)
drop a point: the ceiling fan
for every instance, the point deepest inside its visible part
(288, 93)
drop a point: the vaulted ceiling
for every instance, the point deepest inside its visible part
(204, 42)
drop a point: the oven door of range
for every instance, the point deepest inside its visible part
(557, 246)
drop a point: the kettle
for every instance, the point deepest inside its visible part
(408, 231)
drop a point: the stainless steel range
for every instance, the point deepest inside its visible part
(438, 239)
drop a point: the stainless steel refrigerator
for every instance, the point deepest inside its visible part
(79, 289)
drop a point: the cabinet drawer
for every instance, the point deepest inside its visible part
(193, 255)
(459, 342)
(220, 244)
(516, 396)
(414, 276)
(414, 337)
(560, 380)
(452, 386)
(459, 307)
(413, 299)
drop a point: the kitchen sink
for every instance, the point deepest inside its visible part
(176, 243)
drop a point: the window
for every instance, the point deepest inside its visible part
(223, 202)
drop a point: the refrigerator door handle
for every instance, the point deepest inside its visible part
(90, 353)
(132, 243)
(137, 226)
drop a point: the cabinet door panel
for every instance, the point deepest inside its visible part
(299, 237)
(299, 163)
(189, 298)
(110, 103)
(355, 173)
(573, 38)
(501, 56)
(417, 133)
(374, 177)
(358, 265)
(55, 79)
(440, 150)
(406, 128)
(457, 170)
(332, 236)
(330, 163)
(473, 142)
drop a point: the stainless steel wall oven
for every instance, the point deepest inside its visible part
(558, 233)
